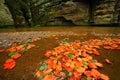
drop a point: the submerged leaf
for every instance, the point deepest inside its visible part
(44, 66)
(70, 55)
(12, 53)
(85, 63)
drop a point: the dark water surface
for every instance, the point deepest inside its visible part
(27, 64)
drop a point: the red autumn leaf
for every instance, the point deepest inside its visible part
(28, 47)
(87, 73)
(47, 71)
(48, 53)
(13, 49)
(77, 75)
(65, 59)
(91, 65)
(105, 77)
(2, 50)
(96, 52)
(78, 63)
(9, 60)
(118, 48)
(67, 68)
(49, 77)
(16, 48)
(16, 56)
(72, 78)
(114, 45)
(107, 47)
(38, 73)
(50, 63)
(95, 73)
(9, 64)
(99, 64)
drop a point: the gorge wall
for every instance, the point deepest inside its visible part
(60, 12)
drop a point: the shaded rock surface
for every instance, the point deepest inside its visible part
(5, 15)
(60, 12)
(72, 12)
(107, 12)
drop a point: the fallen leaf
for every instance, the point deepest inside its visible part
(12, 53)
(96, 52)
(98, 64)
(30, 46)
(38, 73)
(16, 56)
(2, 50)
(95, 73)
(47, 71)
(9, 64)
(92, 65)
(108, 61)
(88, 73)
(49, 77)
(105, 77)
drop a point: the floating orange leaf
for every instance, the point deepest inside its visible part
(98, 64)
(107, 47)
(38, 73)
(16, 56)
(105, 77)
(72, 78)
(118, 48)
(77, 75)
(48, 53)
(96, 52)
(49, 77)
(81, 69)
(91, 65)
(2, 50)
(95, 73)
(30, 46)
(50, 63)
(9, 64)
(47, 71)
(87, 73)
(16, 48)
(108, 61)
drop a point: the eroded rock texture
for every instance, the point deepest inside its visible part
(5, 15)
(61, 12)
(104, 12)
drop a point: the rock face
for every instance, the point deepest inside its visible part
(116, 15)
(73, 13)
(104, 11)
(60, 12)
(77, 12)
(5, 15)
